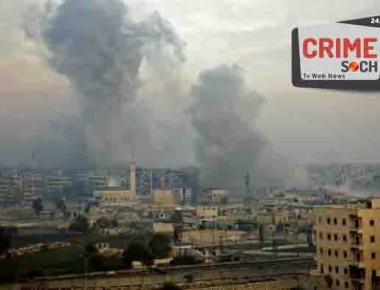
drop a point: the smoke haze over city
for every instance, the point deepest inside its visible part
(80, 100)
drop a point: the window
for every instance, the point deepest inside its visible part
(328, 221)
(371, 223)
(346, 285)
(336, 253)
(373, 255)
(344, 238)
(321, 251)
(335, 237)
(345, 254)
(329, 252)
(372, 239)
(322, 270)
(329, 237)
(320, 235)
(335, 221)
(320, 219)
(345, 271)
(337, 269)
(343, 222)
(337, 283)
(330, 268)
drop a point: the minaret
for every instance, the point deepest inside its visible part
(132, 179)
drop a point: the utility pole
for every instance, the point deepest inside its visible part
(247, 183)
(85, 271)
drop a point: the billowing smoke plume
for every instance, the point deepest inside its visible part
(227, 143)
(222, 113)
(100, 49)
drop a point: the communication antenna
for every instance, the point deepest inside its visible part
(133, 156)
(247, 182)
(33, 157)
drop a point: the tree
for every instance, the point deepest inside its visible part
(102, 223)
(6, 234)
(61, 206)
(96, 262)
(261, 235)
(87, 208)
(224, 200)
(159, 246)
(90, 249)
(137, 252)
(114, 223)
(80, 224)
(177, 217)
(38, 206)
(6, 239)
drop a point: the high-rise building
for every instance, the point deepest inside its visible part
(143, 182)
(348, 245)
(33, 184)
(58, 183)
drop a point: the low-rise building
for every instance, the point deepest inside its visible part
(182, 195)
(163, 198)
(163, 228)
(216, 195)
(114, 197)
(207, 212)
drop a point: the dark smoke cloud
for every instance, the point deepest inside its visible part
(100, 49)
(227, 144)
(222, 111)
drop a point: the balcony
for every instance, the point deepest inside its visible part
(357, 274)
(354, 262)
(356, 242)
(356, 246)
(355, 224)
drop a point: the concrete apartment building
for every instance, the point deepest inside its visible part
(216, 195)
(58, 183)
(348, 245)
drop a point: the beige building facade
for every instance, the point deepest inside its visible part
(163, 197)
(119, 196)
(347, 242)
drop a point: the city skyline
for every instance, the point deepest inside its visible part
(341, 126)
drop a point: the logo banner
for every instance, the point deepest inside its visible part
(343, 55)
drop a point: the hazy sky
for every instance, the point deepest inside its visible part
(305, 125)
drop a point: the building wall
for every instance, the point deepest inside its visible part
(182, 195)
(163, 197)
(216, 195)
(368, 249)
(278, 217)
(122, 197)
(348, 245)
(333, 251)
(58, 183)
(163, 228)
(207, 212)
